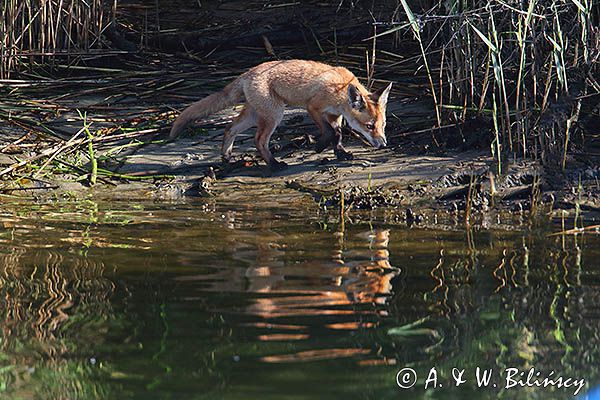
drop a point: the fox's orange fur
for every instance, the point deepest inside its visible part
(328, 93)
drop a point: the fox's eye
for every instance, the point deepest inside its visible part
(370, 125)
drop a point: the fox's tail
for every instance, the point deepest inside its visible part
(230, 95)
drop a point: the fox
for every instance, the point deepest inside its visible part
(329, 94)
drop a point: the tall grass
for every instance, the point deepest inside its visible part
(527, 65)
(42, 29)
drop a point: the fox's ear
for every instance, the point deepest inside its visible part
(354, 97)
(382, 96)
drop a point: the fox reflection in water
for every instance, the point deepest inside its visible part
(323, 289)
(342, 294)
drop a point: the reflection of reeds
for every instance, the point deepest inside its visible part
(42, 295)
(52, 308)
(31, 29)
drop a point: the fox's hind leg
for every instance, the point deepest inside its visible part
(266, 125)
(245, 120)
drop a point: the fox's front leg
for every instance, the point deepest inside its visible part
(333, 136)
(331, 133)
(335, 122)
(327, 138)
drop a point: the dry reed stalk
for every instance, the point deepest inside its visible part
(525, 61)
(48, 28)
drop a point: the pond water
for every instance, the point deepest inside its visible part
(123, 300)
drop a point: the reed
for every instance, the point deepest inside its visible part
(34, 31)
(534, 63)
(416, 29)
(91, 153)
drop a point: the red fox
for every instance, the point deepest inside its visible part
(328, 93)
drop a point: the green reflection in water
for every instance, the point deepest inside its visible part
(185, 301)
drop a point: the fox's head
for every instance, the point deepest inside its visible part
(365, 113)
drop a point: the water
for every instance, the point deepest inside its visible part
(250, 301)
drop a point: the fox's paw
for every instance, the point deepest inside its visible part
(322, 144)
(277, 165)
(344, 156)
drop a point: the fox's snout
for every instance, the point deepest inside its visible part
(379, 142)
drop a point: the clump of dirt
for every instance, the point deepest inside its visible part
(478, 189)
(360, 198)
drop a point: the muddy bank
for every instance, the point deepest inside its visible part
(392, 178)
(396, 178)
(135, 162)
